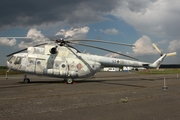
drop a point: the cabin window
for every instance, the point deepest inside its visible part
(38, 62)
(63, 65)
(18, 60)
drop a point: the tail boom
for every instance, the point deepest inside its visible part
(158, 62)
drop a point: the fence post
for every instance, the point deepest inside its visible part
(164, 87)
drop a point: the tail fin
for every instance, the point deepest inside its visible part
(158, 62)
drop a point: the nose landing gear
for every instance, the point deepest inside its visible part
(26, 80)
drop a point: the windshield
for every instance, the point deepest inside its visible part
(15, 60)
(12, 59)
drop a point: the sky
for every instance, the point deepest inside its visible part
(138, 22)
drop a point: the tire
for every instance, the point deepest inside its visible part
(69, 81)
(26, 80)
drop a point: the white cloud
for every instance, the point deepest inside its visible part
(114, 55)
(111, 31)
(7, 42)
(144, 46)
(174, 45)
(34, 33)
(163, 42)
(160, 18)
(36, 38)
(73, 33)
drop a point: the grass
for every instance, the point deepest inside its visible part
(159, 71)
(150, 71)
(11, 72)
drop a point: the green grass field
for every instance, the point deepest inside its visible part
(158, 71)
(3, 71)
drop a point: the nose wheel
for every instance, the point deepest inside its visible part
(26, 80)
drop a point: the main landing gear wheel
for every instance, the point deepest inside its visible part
(69, 80)
(26, 80)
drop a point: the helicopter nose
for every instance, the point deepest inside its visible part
(7, 64)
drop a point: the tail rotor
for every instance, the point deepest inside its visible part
(160, 60)
(168, 54)
(157, 48)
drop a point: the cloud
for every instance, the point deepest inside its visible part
(157, 17)
(36, 38)
(160, 18)
(7, 42)
(144, 46)
(33, 14)
(163, 42)
(73, 33)
(174, 45)
(111, 31)
(114, 55)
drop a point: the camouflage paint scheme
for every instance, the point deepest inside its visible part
(67, 62)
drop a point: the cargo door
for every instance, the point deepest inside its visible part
(30, 66)
(40, 65)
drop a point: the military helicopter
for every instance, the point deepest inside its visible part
(62, 60)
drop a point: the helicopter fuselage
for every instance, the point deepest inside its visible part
(64, 64)
(67, 62)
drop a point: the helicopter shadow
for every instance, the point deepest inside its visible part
(42, 82)
(83, 81)
(115, 81)
(109, 82)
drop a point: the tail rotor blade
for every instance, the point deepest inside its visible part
(157, 48)
(171, 54)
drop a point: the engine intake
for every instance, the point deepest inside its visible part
(53, 50)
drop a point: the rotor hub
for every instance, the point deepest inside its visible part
(61, 42)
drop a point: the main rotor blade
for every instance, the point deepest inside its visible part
(16, 52)
(105, 50)
(72, 47)
(40, 44)
(102, 41)
(17, 37)
(25, 49)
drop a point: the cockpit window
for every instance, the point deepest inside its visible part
(12, 59)
(18, 60)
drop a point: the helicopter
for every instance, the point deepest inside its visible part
(63, 60)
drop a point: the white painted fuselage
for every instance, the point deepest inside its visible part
(68, 62)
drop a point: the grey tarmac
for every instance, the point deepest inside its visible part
(107, 96)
